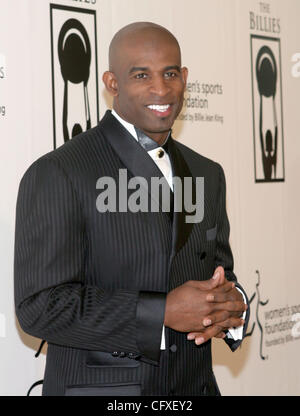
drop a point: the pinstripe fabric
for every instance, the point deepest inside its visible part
(80, 274)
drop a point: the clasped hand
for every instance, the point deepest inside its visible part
(205, 309)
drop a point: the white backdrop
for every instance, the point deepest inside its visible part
(219, 120)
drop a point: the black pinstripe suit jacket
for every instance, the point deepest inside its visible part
(93, 285)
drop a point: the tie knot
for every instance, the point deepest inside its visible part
(147, 143)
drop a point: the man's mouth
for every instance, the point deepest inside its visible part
(160, 110)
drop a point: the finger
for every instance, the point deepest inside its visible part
(220, 335)
(208, 334)
(207, 285)
(231, 291)
(231, 306)
(193, 335)
(215, 330)
(222, 311)
(223, 294)
(230, 319)
(218, 279)
(219, 275)
(231, 323)
(219, 316)
(217, 297)
(238, 314)
(225, 290)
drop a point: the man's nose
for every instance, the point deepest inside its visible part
(159, 86)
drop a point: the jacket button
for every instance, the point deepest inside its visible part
(115, 354)
(173, 348)
(133, 356)
(202, 255)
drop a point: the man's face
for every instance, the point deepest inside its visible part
(150, 84)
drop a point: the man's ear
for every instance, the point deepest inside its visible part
(184, 73)
(110, 83)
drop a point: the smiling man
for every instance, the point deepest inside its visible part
(146, 79)
(128, 301)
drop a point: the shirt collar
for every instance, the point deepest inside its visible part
(130, 127)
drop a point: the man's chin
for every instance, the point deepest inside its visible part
(161, 126)
(153, 132)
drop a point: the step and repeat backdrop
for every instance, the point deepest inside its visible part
(241, 109)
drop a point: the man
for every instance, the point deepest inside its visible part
(127, 301)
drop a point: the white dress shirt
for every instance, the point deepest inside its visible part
(164, 164)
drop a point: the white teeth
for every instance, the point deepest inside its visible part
(161, 108)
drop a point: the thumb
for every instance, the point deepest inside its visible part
(219, 276)
(216, 280)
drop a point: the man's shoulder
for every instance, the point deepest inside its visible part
(78, 151)
(80, 145)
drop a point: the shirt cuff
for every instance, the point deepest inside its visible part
(237, 333)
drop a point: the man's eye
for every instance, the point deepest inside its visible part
(141, 76)
(170, 74)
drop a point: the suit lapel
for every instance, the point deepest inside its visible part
(181, 229)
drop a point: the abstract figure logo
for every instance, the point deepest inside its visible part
(74, 71)
(74, 51)
(259, 303)
(267, 109)
(266, 75)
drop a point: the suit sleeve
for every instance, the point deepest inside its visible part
(52, 300)
(224, 256)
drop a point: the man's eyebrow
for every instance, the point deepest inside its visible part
(145, 68)
(137, 69)
(168, 68)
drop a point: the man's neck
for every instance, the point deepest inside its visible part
(160, 140)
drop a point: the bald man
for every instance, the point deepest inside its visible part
(128, 294)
